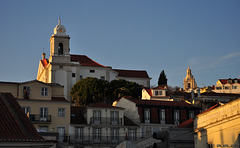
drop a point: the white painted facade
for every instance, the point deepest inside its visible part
(60, 68)
(227, 86)
(110, 133)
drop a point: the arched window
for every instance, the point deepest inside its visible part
(189, 85)
(60, 48)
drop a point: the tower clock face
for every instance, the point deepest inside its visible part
(60, 30)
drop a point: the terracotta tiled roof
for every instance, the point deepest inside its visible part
(149, 91)
(159, 103)
(103, 105)
(44, 62)
(132, 73)
(225, 81)
(159, 87)
(61, 99)
(77, 115)
(31, 81)
(189, 123)
(14, 124)
(85, 61)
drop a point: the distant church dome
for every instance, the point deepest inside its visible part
(59, 29)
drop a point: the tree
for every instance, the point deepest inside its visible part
(89, 90)
(162, 80)
(120, 88)
(92, 90)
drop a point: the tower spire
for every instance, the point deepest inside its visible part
(59, 20)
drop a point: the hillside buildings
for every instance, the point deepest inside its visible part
(231, 86)
(157, 93)
(44, 104)
(101, 125)
(66, 69)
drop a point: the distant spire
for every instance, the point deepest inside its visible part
(59, 20)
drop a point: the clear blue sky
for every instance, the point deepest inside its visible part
(151, 35)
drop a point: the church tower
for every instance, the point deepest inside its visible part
(189, 81)
(57, 69)
(59, 45)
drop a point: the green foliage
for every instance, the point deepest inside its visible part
(88, 91)
(162, 80)
(91, 90)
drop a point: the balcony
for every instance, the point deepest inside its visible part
(91, 139)
(106, 121)
(38, 119)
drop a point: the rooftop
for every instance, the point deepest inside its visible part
(14, 124)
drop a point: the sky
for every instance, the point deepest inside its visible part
(151, 35)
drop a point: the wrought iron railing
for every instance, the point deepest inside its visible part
(106, 121)
(36, 118)
(91, 139)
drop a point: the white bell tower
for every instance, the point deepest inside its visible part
(59, 45)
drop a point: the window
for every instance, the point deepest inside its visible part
(79, 134)
(44, 91)
(61, 67)
(162, 116)
(96, 135)
(26, 110)
(102, 78)
(73, 75)
(115, 135)
(61, 112)
(114, 117)
(92, 71)
(26, 92)
(176, 117)
(132, 135)
(146, 115)
(80, 77)
(96, 117)
(191, 114)
(234, 87)
(43, 114)
(218, 88)
(61, 133)
(158, 93)
(226, 87)
(60, 48)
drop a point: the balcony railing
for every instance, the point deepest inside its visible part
(106, 121)
(35, 118)
(86, 139)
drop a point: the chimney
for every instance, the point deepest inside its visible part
(198, 92)
(43, 55)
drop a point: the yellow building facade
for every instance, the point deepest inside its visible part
(219, 127)
(44, 104)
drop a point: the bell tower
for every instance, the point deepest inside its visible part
(189, 81)
(59, 45)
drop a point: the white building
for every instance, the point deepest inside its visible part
(66, 69)
(157, 93)
(101, 125)
(228, 86)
